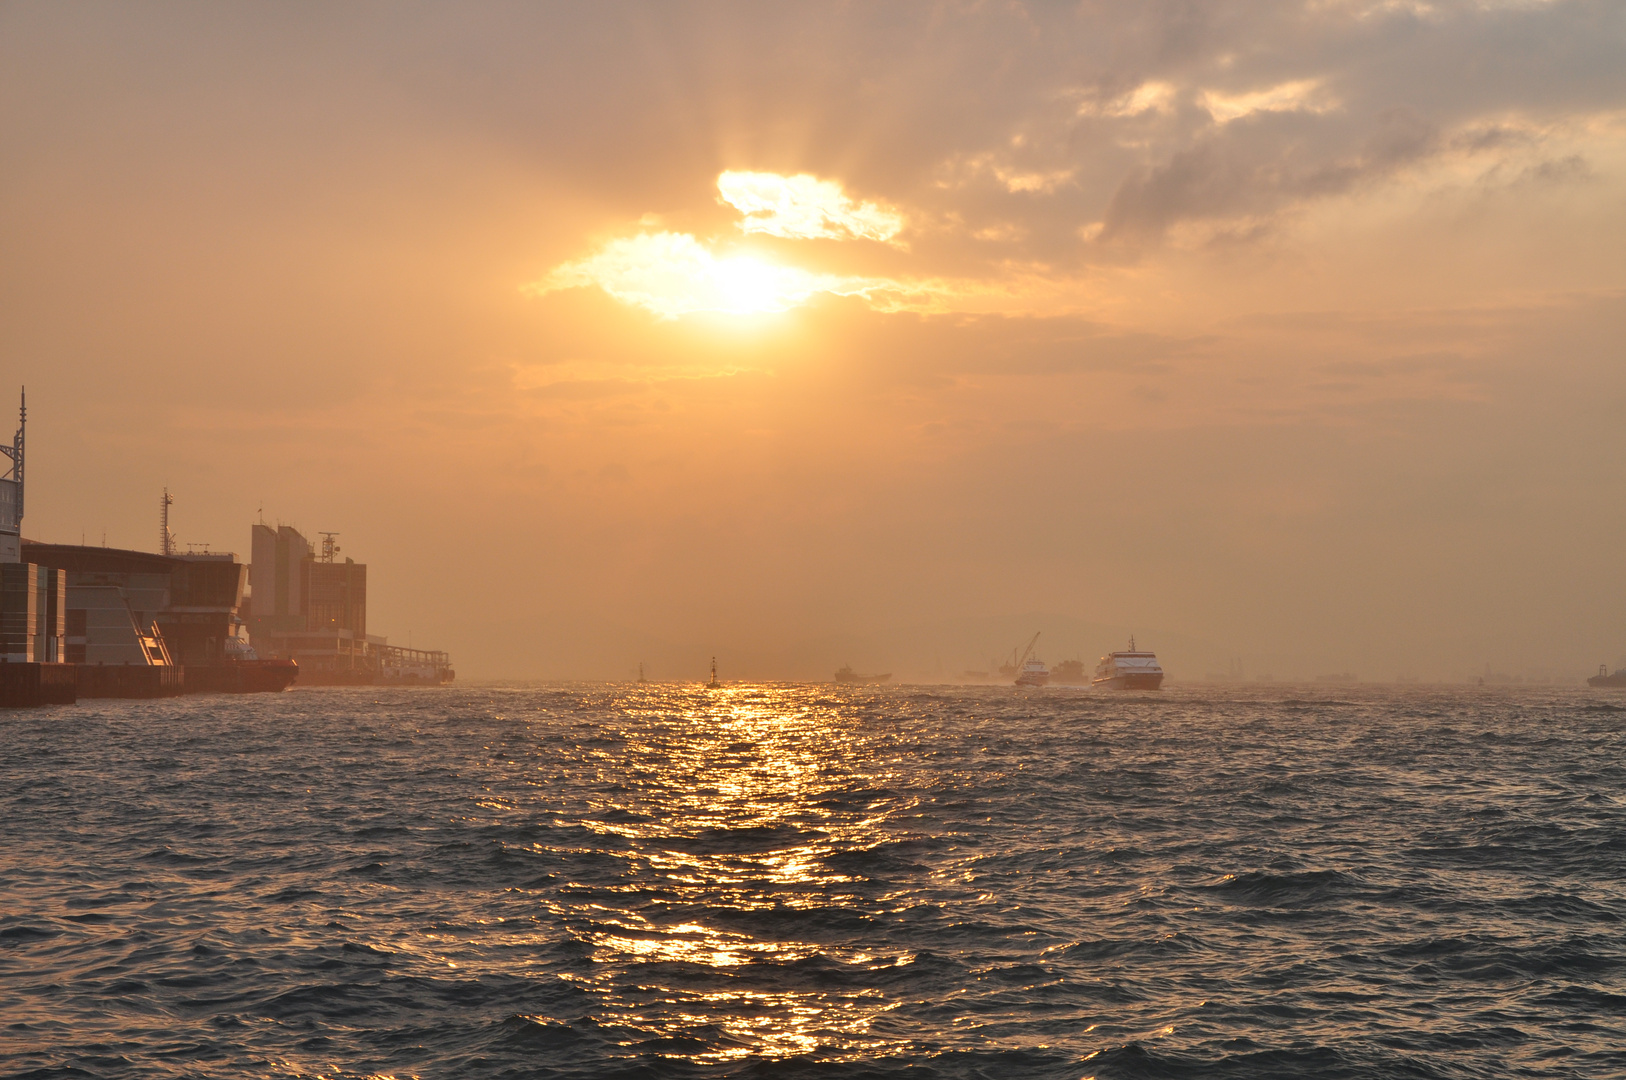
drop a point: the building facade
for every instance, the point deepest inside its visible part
(309, 608)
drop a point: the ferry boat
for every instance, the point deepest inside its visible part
(1029, 669)
(848, 675)
(1129, 669)
(1033, 673)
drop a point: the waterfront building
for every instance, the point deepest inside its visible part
(307, 604)
(33, 601)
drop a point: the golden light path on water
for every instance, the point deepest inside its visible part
(733, 809)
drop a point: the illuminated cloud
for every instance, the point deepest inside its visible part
(1301, 95)
(1152, 96)
(673, 274)
(804, 207)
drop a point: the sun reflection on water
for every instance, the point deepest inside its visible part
(740, 799)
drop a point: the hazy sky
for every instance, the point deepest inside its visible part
(800, 334)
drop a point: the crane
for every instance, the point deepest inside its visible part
(1027, 652)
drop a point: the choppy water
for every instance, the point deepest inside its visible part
(786, 881)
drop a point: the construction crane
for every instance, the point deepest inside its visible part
(1027, 652)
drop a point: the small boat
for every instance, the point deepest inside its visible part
(1130, 669)
(848, 675)
(714, 684)
(1604, 679)
(1030, 670)
(1033, 673)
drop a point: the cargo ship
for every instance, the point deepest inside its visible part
(1129, 669)
(1604, 679)
(848, 675)
(1069, 673)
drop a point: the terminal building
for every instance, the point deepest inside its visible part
(308, 607)
(79, 621)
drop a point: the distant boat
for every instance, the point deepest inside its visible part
(641, 673)
(1030, 670)
(1070, 672)
(848, 675)
(1130, 669)
(714, 684)
(1603, 678)
(1033, 673)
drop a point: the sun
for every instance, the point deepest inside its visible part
(746, 285)
(673, 274)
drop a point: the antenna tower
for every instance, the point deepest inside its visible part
(15, 451)
(329, 548)
(166, 539)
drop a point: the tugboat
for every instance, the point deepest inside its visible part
(848, 675)
(1030, 670)
(1129, 669)
(1603, 678)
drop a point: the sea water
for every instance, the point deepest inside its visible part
(797, 880)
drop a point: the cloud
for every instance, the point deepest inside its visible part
(1152, 96)
(1300, 95)
(803, 207)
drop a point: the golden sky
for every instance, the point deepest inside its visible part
(1283, 332)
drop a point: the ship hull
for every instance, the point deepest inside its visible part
(1032, 680)
(1617, 680)
(1135, 681)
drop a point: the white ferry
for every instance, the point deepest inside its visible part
(1029, 669)
(1130, 669)
(1033, 673)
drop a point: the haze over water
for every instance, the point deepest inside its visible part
(794, 880)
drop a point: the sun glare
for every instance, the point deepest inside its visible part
(674, 274)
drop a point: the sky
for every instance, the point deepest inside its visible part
(1289, 337)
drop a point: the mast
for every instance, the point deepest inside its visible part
(17, 450)
(166, 539)
(11, 490)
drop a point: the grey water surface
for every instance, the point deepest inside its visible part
(782, 881)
